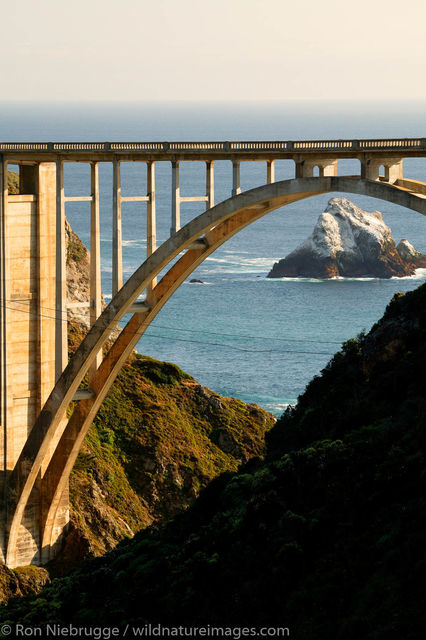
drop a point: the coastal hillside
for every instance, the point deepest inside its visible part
(325, 536)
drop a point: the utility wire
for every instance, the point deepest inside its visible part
(216, 344)
(213, 333)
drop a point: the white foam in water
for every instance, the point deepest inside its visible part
(419, 275)
(277, 408)
(137, 244)
(237, 265)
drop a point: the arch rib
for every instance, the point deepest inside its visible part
(219, 224)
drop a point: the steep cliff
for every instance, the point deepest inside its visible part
(349, 242)
(325, 536)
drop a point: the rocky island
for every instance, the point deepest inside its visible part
(349, 242)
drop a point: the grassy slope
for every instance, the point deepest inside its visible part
(326, 536)
(158, 438)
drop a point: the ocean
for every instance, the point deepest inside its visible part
(239, 333)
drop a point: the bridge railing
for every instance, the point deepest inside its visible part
(212, 147)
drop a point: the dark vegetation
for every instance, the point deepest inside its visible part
(326, 536)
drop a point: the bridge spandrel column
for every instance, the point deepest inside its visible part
(210, 184)
(117, 242)
(371, 168)
(270, 171)
(151, 223)
(95, 257)
(236, 178)
(175, 199)
(326, 167)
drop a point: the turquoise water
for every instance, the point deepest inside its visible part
(239, 333)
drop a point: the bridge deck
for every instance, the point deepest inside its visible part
(220, 150)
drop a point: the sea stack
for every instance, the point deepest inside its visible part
(349, 242)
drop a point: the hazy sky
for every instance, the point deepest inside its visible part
(212, 49)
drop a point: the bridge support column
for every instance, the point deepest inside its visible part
(210, 184)
(95, 259)
(370, 168)
(151, 225)
(270, 171)
(29, 267)
(175, 199)
(117, 243)
(61, 336)
(326, 167)
(236, 187)
(3, 354)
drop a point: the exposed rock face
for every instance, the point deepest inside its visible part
(349, 242)
(78, 272)
(22, 581)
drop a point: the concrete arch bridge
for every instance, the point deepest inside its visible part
(39, 443)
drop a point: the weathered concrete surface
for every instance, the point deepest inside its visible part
(28, 325)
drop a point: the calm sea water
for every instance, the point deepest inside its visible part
(239, 333)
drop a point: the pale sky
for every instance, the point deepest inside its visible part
(213, 49)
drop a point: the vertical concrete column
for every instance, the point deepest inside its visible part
(328, 169)
(3, 354)
(48, 260)
(151, 223)
(299, 173)
(270, 171)
(370, 167)
(61, 337)
(236, 187)
(117, 242)
(95, 258)
(3, 317)
(175, 199)
(394, 171)
(210, 183)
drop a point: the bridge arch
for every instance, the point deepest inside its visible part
(198, 239)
